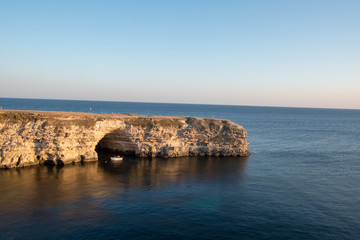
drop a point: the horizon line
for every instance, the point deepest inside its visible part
(184, 103)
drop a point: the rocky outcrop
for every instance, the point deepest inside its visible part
(30, 138)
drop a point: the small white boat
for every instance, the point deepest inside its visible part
(116, 158)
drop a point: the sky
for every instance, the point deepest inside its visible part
(301, 53)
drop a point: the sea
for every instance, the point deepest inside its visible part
(301, 181)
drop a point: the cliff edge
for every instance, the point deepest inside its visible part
(36, 137)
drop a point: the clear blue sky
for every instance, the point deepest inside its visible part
(268, 53)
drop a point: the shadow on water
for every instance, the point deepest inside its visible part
(43, 185)
(152, 172)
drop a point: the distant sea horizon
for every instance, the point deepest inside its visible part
(181, 103)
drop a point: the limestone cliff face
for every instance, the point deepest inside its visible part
(30, 138)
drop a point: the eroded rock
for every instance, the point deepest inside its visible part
(30, 138)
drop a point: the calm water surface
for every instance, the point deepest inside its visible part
(300, 182)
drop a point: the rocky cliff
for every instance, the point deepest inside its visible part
(30, 138)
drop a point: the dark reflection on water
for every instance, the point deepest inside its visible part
(152, 173)
(112, 199)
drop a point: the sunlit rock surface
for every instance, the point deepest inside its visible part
(35, 137)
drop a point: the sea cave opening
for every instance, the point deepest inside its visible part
(116, 142)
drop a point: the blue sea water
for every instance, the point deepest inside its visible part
(301, 181)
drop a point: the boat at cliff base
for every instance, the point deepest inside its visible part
(116, 158)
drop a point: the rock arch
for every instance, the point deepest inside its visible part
(118, 142)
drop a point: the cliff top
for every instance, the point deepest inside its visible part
(31, 114)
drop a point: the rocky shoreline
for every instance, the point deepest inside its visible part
(40, 137)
